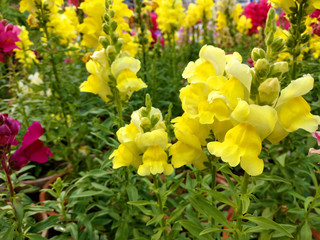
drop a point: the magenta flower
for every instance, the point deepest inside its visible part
(257, 12)
(283, 21)
(9, 128)
(317, 136)
(8, 38)
(31, 148)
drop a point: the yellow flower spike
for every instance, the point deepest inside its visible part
(154, 161)
(157, 137)
(215, 56)
(295, 114)
(123, 156)
(241, 145)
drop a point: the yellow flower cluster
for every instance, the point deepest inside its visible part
(92, 24)
(170, 15)
(198, 11)
(219, 99)
(63, 23)
(143, 143)
(24, 54)
(123, 69)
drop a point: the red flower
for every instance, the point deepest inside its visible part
(9, 128)
(31, 148)
(257, 12)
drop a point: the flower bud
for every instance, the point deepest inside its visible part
(257, 53)
(279, 67)
(9, 128)
(114, 25)
(114, 37)
(305, 38)
(106, 17)
(104, 41)
(106, 28)
(112, 13)
(262, 67)
(277, 44)
(290, 42)
(111, 52)
(269, 90)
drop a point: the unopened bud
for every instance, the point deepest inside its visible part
(155, 119)
(290, 42)
(114, 25)
(112, 53)
(112, 13)
(106, 28)
(269, 38)
(106, 17)
(257, 53)
(262, 67)
(104, 41)
(305, 38)
(114, 37)
(277, 44)
(269, 90)
(279, 67)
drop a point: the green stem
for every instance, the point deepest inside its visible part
(19, 97)
(305, 219)
(244, 188)
(160, 204)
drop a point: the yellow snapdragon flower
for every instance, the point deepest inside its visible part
(143, 143)
(287, 4)
(123, 69)
(170, 15)
(24, 54)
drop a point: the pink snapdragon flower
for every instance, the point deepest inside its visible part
(9, 128)
(8, 38)
(31, 149)
(317, 136)
(316, 26)
(257, 12)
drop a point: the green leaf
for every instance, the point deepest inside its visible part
(220, 197)
(9, 234)
(34, 236)
(89, 193)
(141, 203)
(177, 212)
(268, 224)
(245, 203)
(204, 207)
(306, 232)
(211, 230)
(193, 229)
(45, 224)
(155, 220)
(307, 201)
(272, 178)
(282, 159)
(73, 229)
(122, 231)
(132, 191)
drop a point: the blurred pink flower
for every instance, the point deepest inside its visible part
(8, 38)
(9, 128)
(257, 12)
(317, 136)
(31, 148)
(283, 21)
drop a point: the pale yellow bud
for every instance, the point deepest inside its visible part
(269, 90)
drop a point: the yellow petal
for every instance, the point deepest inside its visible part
(199, 71)
(155, 162)
(277, 134)
(296, 88)
(217, 108)
(124, 157)
(252, 165)
(124, 63)
(295, 114)
(127, 133)
(215, 56)
(183, 154)
(239, 143)
(156, 137)
(128, 82)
